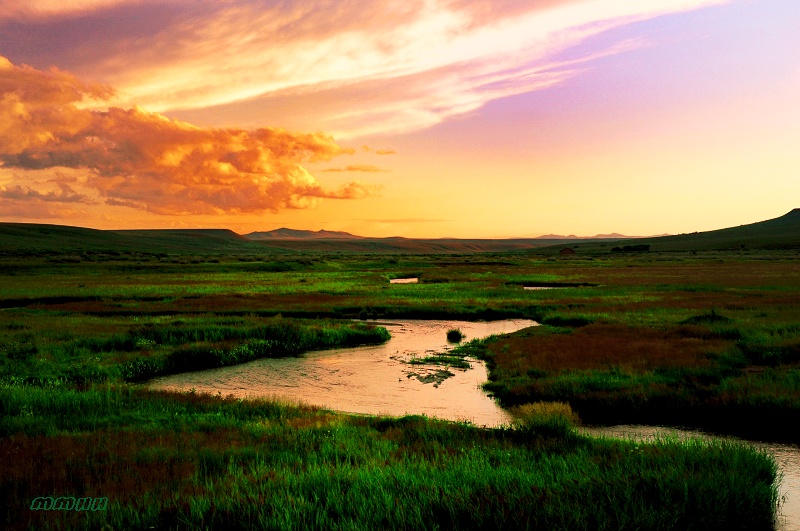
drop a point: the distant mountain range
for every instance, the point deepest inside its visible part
(778, 233)
(613, 236)
(293, 234)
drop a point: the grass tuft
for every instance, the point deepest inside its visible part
(455, 335)
(550, 418)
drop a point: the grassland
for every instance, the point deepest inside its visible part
(178, 461)
(681, 338)
(698, 342)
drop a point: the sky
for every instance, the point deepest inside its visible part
(415, 118)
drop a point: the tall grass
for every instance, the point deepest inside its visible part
(722, 391)
(170, 461)
(139, 349)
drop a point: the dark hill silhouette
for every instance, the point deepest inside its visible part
(779, 233)
(217, 234)
(782, 233)
(614, 235)
(33, 237)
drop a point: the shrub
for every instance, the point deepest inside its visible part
(455, 335)
(707, 318)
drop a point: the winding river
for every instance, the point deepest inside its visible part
(379, 380)
(376, 379)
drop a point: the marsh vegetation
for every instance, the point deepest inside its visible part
(709, 340)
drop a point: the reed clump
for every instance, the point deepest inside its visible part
(550, 418)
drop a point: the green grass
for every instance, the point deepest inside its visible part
(182, 460)
(708, 340)
(81, 350)
(457, 362)
(751, 388)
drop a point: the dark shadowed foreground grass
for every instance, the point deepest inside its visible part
(184, 461)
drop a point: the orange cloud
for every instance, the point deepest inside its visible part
(64, 194)
(49, 198)
(378, 151)
(24, 211)
(145, 160)
(356, 167)
(251, 54)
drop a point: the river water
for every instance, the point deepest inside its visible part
(378, 380)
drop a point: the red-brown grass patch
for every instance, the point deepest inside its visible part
(600, 345)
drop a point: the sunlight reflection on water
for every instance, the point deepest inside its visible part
(372, 379)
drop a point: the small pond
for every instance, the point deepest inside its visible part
(375, 379)
(404, 280)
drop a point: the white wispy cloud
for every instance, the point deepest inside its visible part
(360, 67)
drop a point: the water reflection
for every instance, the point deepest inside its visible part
(373, 379)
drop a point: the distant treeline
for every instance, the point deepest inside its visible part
(641, 248)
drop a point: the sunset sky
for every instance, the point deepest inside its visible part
(416, 118)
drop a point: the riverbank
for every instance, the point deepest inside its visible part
(787, 456)
(683, 376)
(47, 348)
(402, 376)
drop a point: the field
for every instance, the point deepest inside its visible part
(709, 339)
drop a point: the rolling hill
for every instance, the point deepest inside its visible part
(778, 233)
(781, 233)
(42, 238)
(294, 234)
(773, 234)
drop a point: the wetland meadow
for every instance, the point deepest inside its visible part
(399, 265)
(707, 340)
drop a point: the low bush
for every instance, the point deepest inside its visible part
(455, 335)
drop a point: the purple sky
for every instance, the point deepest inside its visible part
(430, 118)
